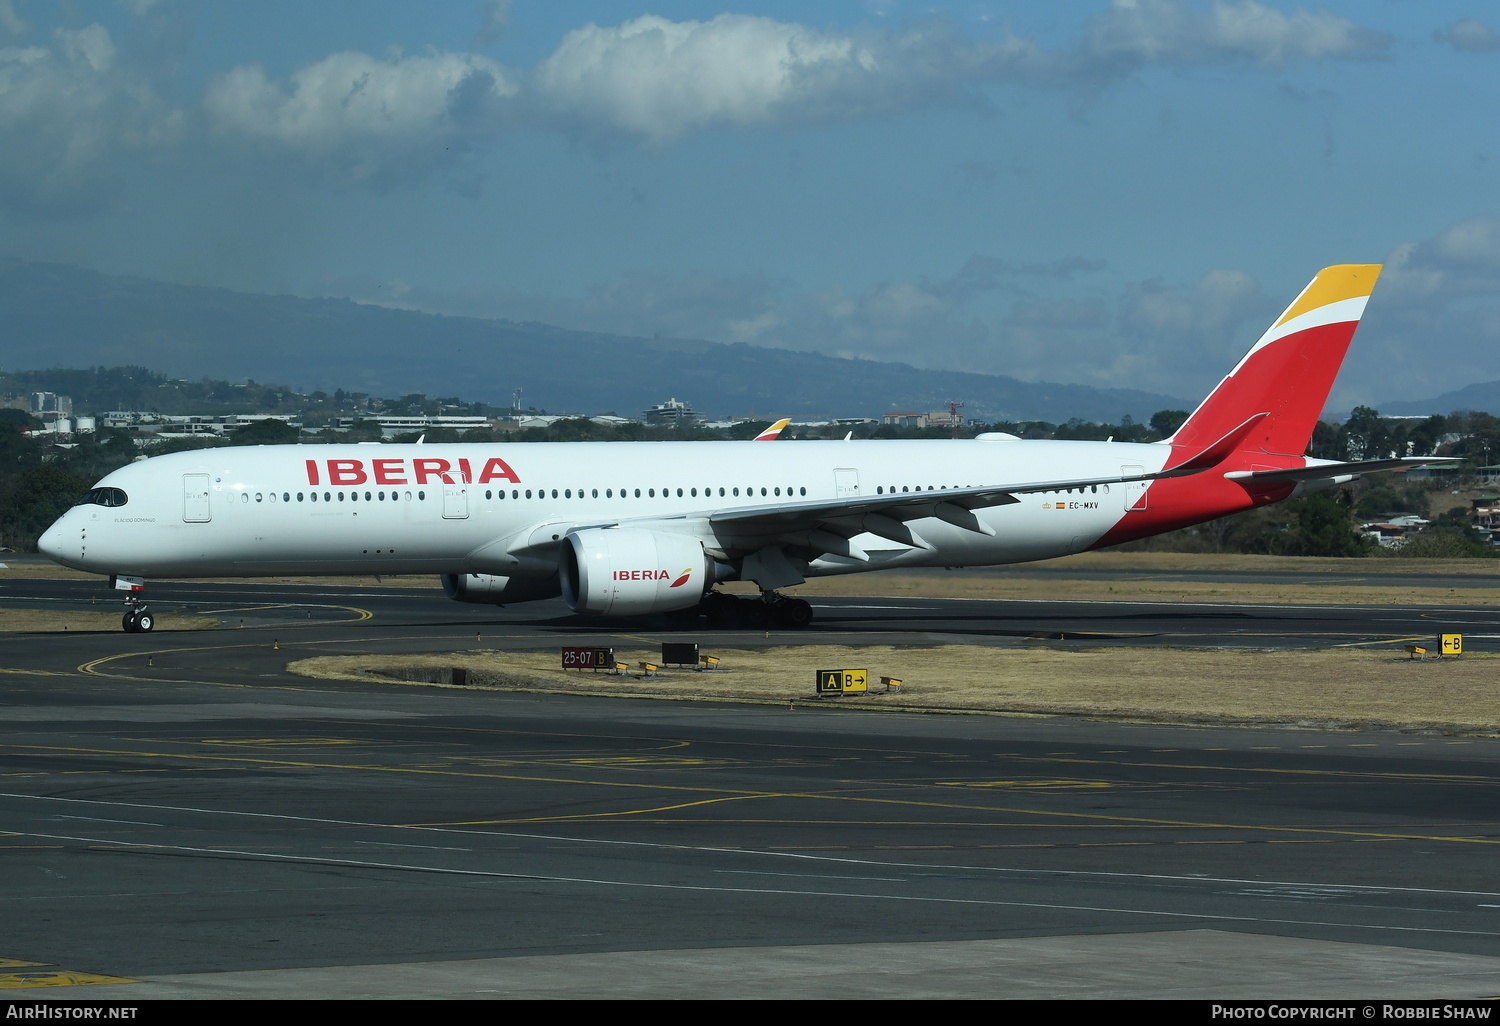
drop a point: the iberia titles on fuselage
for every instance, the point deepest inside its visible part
(649, 527)
(422, 470)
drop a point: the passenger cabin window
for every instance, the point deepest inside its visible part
(104, 497)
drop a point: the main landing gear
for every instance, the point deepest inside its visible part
(770, 610)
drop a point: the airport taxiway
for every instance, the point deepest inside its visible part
(178, 810)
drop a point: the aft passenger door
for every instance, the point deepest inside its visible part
(195, 498)
(1135, 491)
(846, 484)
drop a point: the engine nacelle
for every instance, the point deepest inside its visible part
(627, 572)
(495, 590)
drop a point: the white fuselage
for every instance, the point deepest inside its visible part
(494, 508)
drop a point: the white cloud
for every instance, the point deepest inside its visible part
(1433, 323)
(368, 116)
(10, 21)
(1216, 302)
(90, 45)
(496, 20)
(68, 111)
(1173, 32)
(659, 80)
(1472, 35)
(1460, 261)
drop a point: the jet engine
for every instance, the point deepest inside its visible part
(627, 572)
(496, 590)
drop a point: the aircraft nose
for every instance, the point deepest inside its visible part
(51, 541)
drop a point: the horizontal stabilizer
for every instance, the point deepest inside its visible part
(1326, 471)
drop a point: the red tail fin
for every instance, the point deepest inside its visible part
(1289, 372)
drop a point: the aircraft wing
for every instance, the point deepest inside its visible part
(831, 521)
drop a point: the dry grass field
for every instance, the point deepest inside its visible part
(53, 621)
(1331, 688)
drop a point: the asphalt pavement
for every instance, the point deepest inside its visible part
(181, 812)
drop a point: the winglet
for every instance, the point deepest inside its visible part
(770, 433)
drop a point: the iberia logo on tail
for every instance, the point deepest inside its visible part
(1288, 373)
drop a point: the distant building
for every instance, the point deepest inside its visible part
(932, 418)
(672, 413)
(1487, 515)
(391, 425)
(1391, 534)
(49, 406)
(172, 426)
(944, 418)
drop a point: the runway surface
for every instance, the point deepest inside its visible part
(180, 811)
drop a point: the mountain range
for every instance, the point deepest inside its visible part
(1483, 396)
(54, 315)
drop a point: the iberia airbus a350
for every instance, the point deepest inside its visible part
(624, 528)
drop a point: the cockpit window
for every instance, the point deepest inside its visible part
(104, 497)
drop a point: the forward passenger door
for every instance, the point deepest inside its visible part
(195, 509)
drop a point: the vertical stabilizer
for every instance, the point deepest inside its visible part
(1289, 372)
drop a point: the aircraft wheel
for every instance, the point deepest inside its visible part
(684, 617)
(754, 613)
(144, 622)
(796, 613)
(722, 610)
(128, 621)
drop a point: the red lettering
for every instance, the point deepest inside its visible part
(427, 469)
(312, 472)
(387, 471)
(346, 472)
(464, 471)
(496, 469)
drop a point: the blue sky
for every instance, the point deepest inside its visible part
(1114, 192)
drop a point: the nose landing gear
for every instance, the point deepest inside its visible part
(137, 619)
